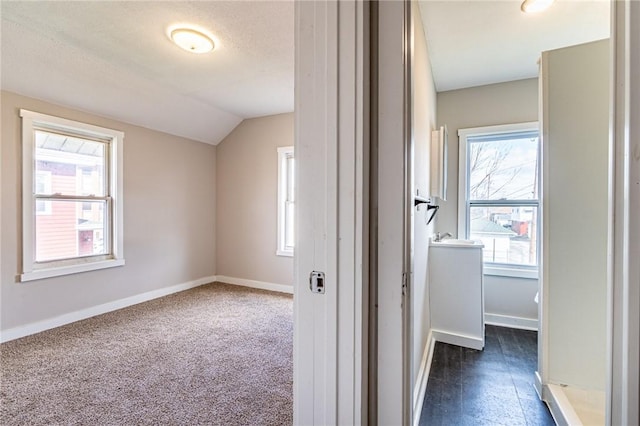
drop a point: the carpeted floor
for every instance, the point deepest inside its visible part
(216, 354)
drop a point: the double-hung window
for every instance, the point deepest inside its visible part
(286, 201)
(72, 196)
(499, 196)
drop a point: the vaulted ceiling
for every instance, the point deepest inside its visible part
(114, 58)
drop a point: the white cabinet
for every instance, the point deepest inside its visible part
(456, 293)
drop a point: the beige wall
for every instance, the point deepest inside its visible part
(504, 103)
(247, 195)
(169, 218)
(424, 120)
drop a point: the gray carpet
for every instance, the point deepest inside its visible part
(216, 354)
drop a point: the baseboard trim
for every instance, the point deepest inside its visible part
(540, 390)
(554, 402)
(281, 288)
(458, 339)
(420, 388)
(39, 326)
(511, 322)
(560, 407)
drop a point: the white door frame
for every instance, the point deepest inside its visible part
(394, 212)
(331, 127)
(624, 391)
(331, 347)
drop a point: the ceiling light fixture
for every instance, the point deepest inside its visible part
(191, 40)
(533, 6)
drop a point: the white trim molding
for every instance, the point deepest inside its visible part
(465, 204)
(112, 196)
(331, 208)
(458, 339)
(262, 285)
(511, 322)
(624, 297)
(285, 197)
(68, 318)
(561, 408)
(420, 387)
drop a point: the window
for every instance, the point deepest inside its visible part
(43, 186)
(72, 197)
(499, 196)
(286, 201)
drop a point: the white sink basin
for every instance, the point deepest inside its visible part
(458, 243)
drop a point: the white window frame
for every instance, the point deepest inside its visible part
(284, 153)
(32, 270)
(515, 271)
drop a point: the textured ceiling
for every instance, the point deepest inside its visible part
(115, 59)
(473, 43)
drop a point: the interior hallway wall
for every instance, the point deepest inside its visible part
(503, 103)
(247, 196)
(424, 121)
(169, 208)
(576, 114)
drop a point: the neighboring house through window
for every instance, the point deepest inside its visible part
(499, 196)
(286, 201)
(42, 185)
(72, 196)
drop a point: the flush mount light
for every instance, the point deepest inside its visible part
(532, 6)
(191, 40)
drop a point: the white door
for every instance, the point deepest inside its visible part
(353, 213)
(330, 336)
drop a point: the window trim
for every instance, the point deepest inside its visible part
(32, 270)
(283, 153)
(497, 269)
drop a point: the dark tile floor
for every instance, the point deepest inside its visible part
(489, 387)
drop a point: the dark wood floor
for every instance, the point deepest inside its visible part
(489, 387)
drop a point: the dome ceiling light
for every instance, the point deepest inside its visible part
(191, 40)
(533, 6)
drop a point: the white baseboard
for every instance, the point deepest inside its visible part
(560, 407)
(37, 327)
(554, 397)
(420, 387)
(282, 288)
(458, 339)
(540, 389)
(511, 322)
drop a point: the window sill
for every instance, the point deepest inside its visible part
(39, 274)
(285, 253)
(531, 274)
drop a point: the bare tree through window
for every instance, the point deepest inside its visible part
(502, 196)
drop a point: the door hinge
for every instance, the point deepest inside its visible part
(405, 279)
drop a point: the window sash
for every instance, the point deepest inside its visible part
(286, 201)
(535, 222)
(491, 134)
(111, 232)
(78, 227)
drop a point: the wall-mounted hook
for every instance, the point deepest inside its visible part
(420, 200)
(433, 207)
